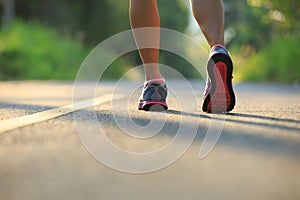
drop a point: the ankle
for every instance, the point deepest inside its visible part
(159, 80)
(218, 45)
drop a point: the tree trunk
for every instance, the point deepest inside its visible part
(8, 12)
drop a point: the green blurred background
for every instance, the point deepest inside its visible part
(48, 39)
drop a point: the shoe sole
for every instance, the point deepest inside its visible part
(153, 106)
(221, 97)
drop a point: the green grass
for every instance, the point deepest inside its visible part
(33, 51)
(277, 62)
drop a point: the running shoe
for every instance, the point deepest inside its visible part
(219, 95)
(153, 97)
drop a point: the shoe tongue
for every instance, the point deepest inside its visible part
(155, 83)
(219, 49)
(217, 46)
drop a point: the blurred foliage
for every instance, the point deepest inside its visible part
(32, 51)
(90, 21)
(264, 35)
(175, 16)
(258, 22)
(256, 31)
(276, 62)
(82, 23)
(95, 20)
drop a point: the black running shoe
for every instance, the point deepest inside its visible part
(153, 97)
(219, 95)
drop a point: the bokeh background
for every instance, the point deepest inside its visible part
(49, 39)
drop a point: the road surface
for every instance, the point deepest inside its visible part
(256, 156)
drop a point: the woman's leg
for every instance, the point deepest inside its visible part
(144, 13)
(210, 17)
(219, 95)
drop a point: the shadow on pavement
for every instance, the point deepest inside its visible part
(250, 116)
(241, 138)
(244, 138)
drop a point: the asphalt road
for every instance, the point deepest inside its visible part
(255, 157)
